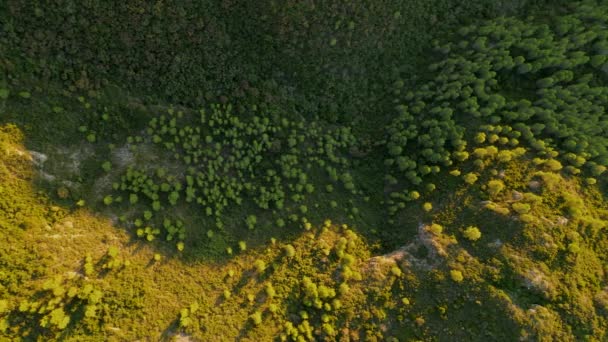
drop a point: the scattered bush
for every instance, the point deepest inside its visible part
(472, 233)
(495, 187)
(436, 229)
(256, 318)
(456, 276)
(521, 208)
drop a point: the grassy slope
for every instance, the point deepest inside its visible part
(144, 298)
(507, 274)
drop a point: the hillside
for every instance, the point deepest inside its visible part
(209, 171)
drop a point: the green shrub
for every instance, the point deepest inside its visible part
(472, 233)
(436, 229)
(470, 178)
(521, 208)
(251, 221)
(259, 265)
(270, 291)
(495, 186)
(456, 276)
(553, 165)
(290, 251)
(108, 200)
(396, 271)
(256, 318)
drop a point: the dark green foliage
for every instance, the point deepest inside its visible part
(543, 107)
(231, 161)
(341, 54)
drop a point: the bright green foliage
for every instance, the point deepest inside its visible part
(521, 208)
(270, 291)
(256, 318)
(495, 186)
(184, 318)
(470, 178)
(112, 252)
(436, 229)
(456, 276)
(290, 251)
(553, 165)
(259, 265)
(108, 200)
(59, 297)
(472, 233)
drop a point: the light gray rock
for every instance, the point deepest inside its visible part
(516, 195)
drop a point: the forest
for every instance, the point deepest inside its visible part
(421, 170)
